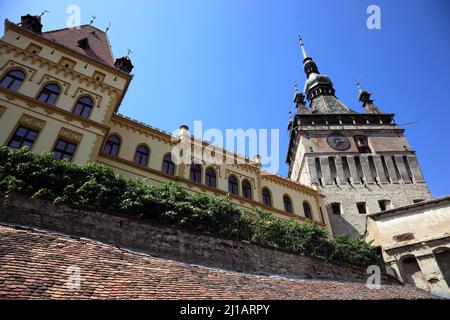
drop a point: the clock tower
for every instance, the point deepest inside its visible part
(361, 161)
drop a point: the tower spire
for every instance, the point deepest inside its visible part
(319, 87)
(302, 46)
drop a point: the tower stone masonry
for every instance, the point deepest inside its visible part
(361, 161)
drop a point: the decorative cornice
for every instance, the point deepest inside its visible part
(291, 184)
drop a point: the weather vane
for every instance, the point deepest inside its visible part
(44, 12)
(128, 52)
(107, 28)
(92, 20)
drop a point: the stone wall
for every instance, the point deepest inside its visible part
(172, 243)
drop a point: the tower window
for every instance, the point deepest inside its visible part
(362, 209)
(12, 80)
(210, 178)
(361, 143)
(49, 94)
(384, 204)
(64, 150)
(336, 208)
(247, 190)
(23, 137)
(196, 173)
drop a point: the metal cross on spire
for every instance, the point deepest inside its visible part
(302, 46)
(44, 12)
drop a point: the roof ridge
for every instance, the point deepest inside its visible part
(79, 26)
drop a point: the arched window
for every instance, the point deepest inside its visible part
(168, 166)
(307, 210)
(196, 173)
(112, 145)
(12, 80)
(233, 185)
(141, 156)
(49, 94)
(287, 204)
(267, 199)
(83, 107)
(247, 190)
(210, 178)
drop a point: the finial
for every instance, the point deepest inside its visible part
(128, 53)
(302, 46)
(44, 12)
(295, 87)
(92, 20)
(358, 86)
(107, 28)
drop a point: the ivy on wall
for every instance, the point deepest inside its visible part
(94, 186)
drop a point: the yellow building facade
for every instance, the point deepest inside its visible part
(60, 92)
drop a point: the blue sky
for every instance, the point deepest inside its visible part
(232, 64)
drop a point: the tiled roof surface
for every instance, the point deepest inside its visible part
(99, 47)
(34, 265)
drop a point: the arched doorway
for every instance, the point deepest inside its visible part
(411, 273)
(442, 257)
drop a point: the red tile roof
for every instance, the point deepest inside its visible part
(34, 265)
(99, 46)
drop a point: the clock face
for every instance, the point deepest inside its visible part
(338, 141)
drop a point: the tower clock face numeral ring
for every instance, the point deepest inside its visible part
(338, 141)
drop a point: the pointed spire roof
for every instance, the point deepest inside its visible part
(319, 88)
(99, 47)
(302, 46)
(368, 104)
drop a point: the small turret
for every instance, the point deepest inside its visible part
(124, 63)
(31, 23)
(300, 103)
(368, 104)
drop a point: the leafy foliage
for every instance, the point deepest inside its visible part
(95, 186)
